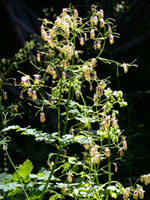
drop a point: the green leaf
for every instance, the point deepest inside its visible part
(25, 169)
(55, 196)
(113, 195)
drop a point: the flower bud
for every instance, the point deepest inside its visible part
(92, 21)
(101, 22)
(77, 93)
(64, 76)
(15, 108)
(75, 12)
(100, 13)
(25, 82)
(84, 155)
(126, 193)
(116, 167)
(93, 62)
(67, 33)
(42, 28)
(87, 146)
(64, 11)
(34, 95)
(74, 23)
(92, 34)
(121, 152)
(125, 67)
(44, 35)
(95, 75)
(114, 123)
(98, 45)
(21, 95)
(36, 78)
(95, 20)
(72, 132)
(109, 29)
(93, 151)
(29, 92)
(38, 57)
(63, 190)
(54, 76)
(111, 39)
(81, 41)
(91, 87)
(5, 95)
(42, 117)
(124, 144)
(69, 177)
(107, 152)
(95, 45)
(50, 70)
(65, 25)
(14, 82)
(76, 55)
(1, 82)
(51, 165)
(85, 36)
(81, 21)
(135, 194)
(140, 192)
(50, 41)
(97, 158)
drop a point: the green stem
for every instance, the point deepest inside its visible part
(67, 109)
(109, 166)
(16, 173)
(59, 108)
(51, 173)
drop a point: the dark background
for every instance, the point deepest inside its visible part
(19, 23)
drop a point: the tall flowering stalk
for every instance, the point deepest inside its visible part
(90, 121)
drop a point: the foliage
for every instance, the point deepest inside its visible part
(85, 122)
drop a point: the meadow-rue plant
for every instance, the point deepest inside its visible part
(88, 142)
